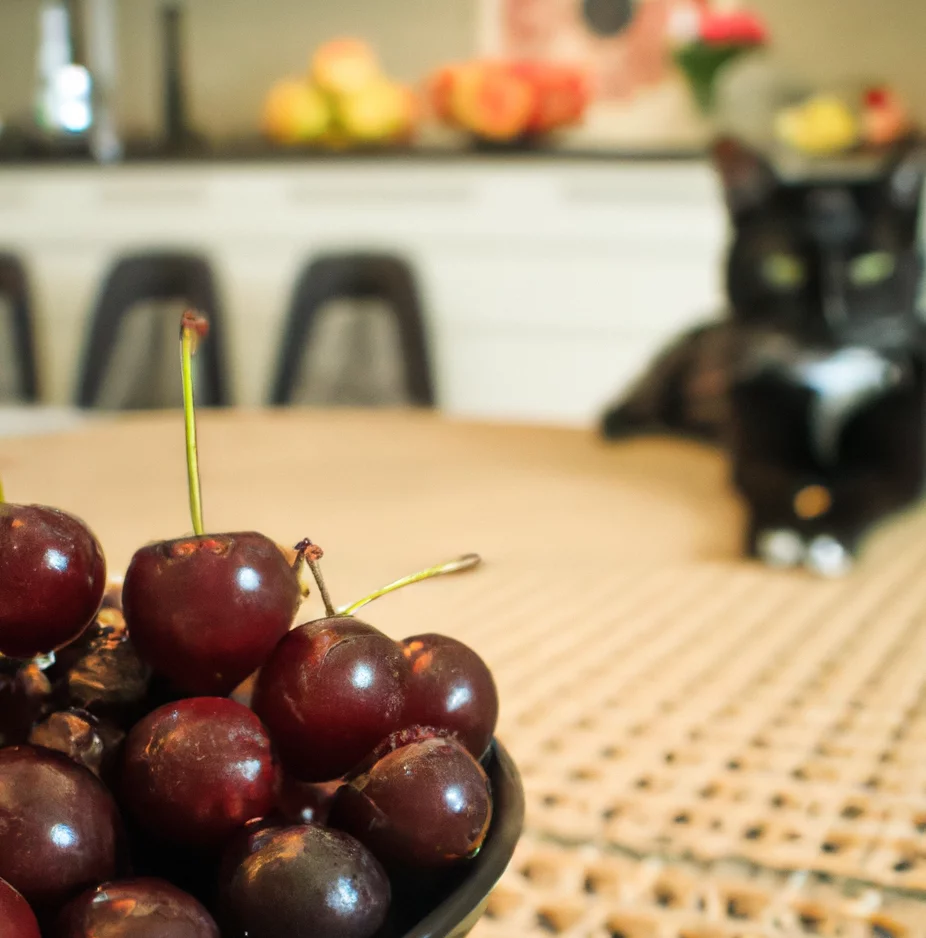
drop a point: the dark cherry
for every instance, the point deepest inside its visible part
(17, 920)
(25, 695)
(306, 802)
(249, 839)
(424, 803)
(136, 908)
(82, 737)
(107, 677)
(52, 577)
(207, 611)
(452, 688)
(193, 870)
(331, 690)
(196, 770)
(107, 620)
(303, 882)
(59, 827)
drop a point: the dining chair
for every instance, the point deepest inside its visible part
(154, 277)
(358, 276)
(14, 288)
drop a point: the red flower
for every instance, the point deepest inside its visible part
(877, 97)
(740, 28)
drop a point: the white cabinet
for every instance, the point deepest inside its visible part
(547, 283)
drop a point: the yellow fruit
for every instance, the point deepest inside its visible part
(378, 113)
(335, 139)
(823, 125)
(295, 112)
(344, 66)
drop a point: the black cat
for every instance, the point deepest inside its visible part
(816, 379)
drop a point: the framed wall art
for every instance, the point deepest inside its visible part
(640, 99)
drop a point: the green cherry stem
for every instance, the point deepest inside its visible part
(466, 562)
(2, 497)
(193, 327)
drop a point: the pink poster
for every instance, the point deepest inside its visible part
(639, 95)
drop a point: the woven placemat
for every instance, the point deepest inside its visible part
(718, 751)
(708, 748)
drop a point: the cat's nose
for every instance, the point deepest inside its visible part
(833, 293)
(835, 311)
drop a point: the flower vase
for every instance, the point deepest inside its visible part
(702, 64)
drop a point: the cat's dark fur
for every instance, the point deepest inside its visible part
(817, 375)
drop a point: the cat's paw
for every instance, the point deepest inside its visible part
(780, 548)
(828, 557)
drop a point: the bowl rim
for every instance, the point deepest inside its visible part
(493, 858)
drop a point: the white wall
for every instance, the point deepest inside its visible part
(237, 47)
(840, 40)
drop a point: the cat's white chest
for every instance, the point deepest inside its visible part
(842, 382)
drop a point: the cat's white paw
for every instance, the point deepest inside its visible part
(780, 548)
(827, 557)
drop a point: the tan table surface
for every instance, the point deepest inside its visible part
(708, 748)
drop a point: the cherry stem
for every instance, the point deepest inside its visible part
(193, 327)
(309, 553)
(2, 497)
(298, 567)
(461, 564)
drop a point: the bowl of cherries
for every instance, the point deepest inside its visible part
(180, 759)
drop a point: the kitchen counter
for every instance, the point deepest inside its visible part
(247, 150)
(547, 282)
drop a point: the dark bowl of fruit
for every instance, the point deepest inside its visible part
(461, 907)
(179, 759)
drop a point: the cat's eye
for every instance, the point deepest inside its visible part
(869, 269)
(783, 271)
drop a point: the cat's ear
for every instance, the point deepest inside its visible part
(906, 173)
(748, 178)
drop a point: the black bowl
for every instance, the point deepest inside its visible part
(451, 907)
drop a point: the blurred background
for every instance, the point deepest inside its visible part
(499, 207)
(507, 211)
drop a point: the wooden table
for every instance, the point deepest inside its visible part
(691, 729)
(390, 491)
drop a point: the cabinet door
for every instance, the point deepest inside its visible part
(552, 331)
(562, 378)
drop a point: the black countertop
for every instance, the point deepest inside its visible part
(22, 153)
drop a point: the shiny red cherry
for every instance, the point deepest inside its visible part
(452, 688)
(207, 611)
(306, 802)
(16, 918)
(302, 882)
(196, 770)
(59, 828)
(136, 908)
(52, 577)
(424, 803)
(331, 690)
